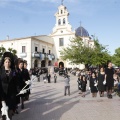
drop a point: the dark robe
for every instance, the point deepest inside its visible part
(8, 87)
(49, 76)
(109, 78)
(92, 83)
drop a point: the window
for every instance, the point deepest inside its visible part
(61, 42)
(61, 11)
(49, 51)
(43, 50)
(64, 21)
(59, 22)
(23, 49)
(36, 49)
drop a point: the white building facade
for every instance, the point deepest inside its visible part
(37, 50)
(62, 34)
(43, 50)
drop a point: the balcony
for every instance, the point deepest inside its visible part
(50, 56)
(36, 55)
(53, 57)
(23, 55)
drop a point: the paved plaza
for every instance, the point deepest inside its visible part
(47, 102)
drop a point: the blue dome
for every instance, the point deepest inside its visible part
(80, 31)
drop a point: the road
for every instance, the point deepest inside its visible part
(47, 102)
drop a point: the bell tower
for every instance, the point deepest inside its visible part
(61, 16)
(62, 32)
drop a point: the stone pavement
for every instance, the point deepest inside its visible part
(47, 102)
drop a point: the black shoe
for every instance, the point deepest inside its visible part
(3, 117)
(22, 106)
(110, 96)
(27, 97)
(16, 111)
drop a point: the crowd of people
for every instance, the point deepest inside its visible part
(100, 80)
(15, 82)
(14, 78)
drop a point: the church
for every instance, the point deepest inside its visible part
(43, 50)
(62, 34)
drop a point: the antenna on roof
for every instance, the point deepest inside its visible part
(7, 37)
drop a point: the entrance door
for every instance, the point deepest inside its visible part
(61, 65)
(43, 63)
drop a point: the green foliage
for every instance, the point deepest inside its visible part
(100, 54)
(78, 53)
(116, 57)
(2, 50)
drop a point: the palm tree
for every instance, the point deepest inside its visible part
(2, 50)
(10, 49)
(14, 52)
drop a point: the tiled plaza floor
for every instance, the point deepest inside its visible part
(47, 102)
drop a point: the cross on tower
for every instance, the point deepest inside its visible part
(62, 2)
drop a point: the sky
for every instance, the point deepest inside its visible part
(22, 18)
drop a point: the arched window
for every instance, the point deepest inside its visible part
(59, 22)
(64, 21)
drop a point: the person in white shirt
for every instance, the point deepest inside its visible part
(67, 84)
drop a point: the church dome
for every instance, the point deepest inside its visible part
(80, 31)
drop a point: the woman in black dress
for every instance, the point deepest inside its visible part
(109, 72)
(93, 85)
(8, 84)
(79, 84)
(26, 78)
(49, 77)
(101, 78)
(21, 79)
(83, 85)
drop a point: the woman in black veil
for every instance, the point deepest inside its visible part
(8, 84)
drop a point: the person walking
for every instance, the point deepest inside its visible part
(93, 85)
(55, 78)
(8, 85)
(49, 77)
(83, 85)
(26, 78)
(67, 85)
(101, 86)
(109, 72)
(21, 78)
(79, 84)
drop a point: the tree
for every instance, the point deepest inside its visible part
(2, 50)
(77, 52)
(100, 55)
(116, 57)
(10, 49)
(14, 52)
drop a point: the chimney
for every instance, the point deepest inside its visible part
(7, 37)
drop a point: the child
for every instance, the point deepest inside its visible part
(83, 85)
(55, 78)
(79, 84)
(67, 85)
(93, 85)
